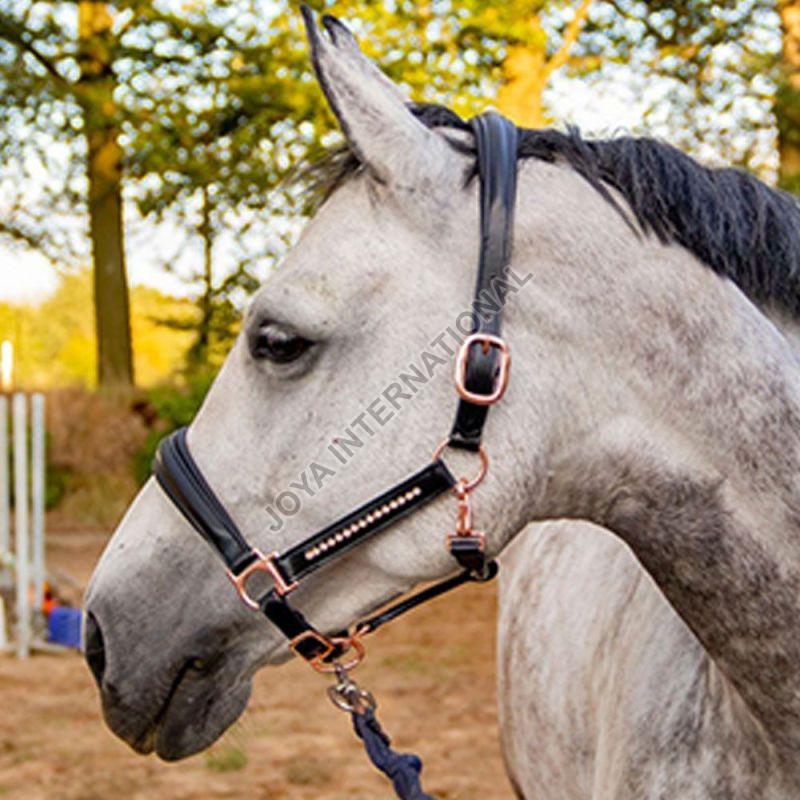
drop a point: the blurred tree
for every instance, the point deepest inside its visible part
(55, 339)
(58, 82)
(534, 41)
(787, 97)
(220, 93)
(94, 90)
(133, 91)
(708, 72)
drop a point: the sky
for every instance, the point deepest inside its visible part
(28, 276)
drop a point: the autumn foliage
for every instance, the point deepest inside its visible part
(54, 339)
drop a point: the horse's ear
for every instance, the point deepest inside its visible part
(372, 111)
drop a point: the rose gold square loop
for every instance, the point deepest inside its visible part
(329, 646)
(350, 648)
(486, 341)
(265, 564)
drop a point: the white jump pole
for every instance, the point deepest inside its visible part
(5, 483)
(37, 499)
(21, 555)
(6, 382)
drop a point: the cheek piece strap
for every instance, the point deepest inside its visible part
(482, 370)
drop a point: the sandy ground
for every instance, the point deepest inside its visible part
(433, 674)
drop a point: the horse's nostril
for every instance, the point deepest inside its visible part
(94, 648)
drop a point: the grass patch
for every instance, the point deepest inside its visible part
(412, 663)
(308, 772)
(227, 759)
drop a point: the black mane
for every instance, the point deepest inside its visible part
(729, 219)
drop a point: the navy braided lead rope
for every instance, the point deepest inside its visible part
(402, 769)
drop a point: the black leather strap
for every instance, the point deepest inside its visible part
(496, 142)
(374, 516)
(467, 576)
(180, 477)
(306, 640)
(468, 551)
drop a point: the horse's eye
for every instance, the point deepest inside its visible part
(277, 343)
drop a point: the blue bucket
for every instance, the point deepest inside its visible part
(64, 626)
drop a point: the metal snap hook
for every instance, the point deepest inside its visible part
(347, 695)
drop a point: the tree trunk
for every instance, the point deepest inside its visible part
(527, 69)
(104, 174)
(524, 78)
(203, 342)
(787, 98)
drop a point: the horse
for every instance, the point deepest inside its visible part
(644, 485)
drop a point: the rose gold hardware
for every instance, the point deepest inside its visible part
(350, 645)
(265, 564)
(464, 514)
(329, 644)
(486, 341)
(468, 486)
(464, 517)
(481, 537)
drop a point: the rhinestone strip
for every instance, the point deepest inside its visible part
(373, 516)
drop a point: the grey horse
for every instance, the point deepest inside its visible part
(644, 489)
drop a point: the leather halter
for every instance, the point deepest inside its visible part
(481, 378)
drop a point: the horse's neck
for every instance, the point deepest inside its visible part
(703, 483)
(673, 407)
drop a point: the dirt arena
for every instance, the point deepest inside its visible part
(433, 674)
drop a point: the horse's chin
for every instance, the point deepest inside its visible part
(192, 721)
(193, 718)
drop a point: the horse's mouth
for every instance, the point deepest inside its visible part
(147, 741)
(195, 712)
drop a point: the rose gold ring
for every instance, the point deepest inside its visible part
(328, 644)
(464, 486)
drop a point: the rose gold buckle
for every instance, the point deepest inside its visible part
(261, 564)
(487, 341)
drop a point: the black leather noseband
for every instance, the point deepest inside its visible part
(481, 377)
